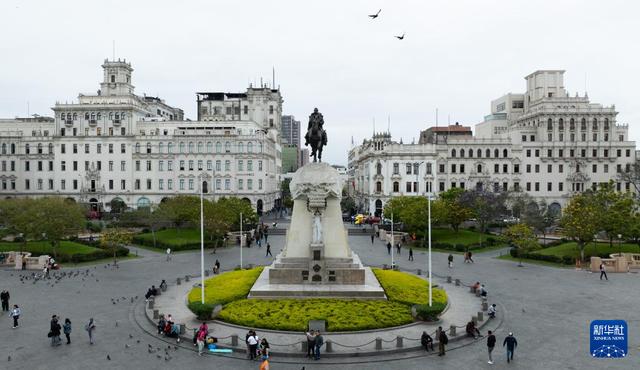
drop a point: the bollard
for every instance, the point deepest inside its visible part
(305, 346)
(475, 320)
(419, 271)
(187, 278)
(480, 316)
(234, 340)
(206, 272)
(378, 343)
(478, 293)
(131, 299)
(485, 306)
(484, 299)
(182, 328)
(329, 345)
(457, 282)
(452, 331)
(156, 314)
(150, 304)
(448, 279)
(178, 281)
(399, 341)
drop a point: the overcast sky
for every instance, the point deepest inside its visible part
(457, 55)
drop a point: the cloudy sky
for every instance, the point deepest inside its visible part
(457, 55)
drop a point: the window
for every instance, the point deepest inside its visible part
(209, 165)
(441, 186)
(479, 153)
(169, 184)
(524, 138)
(218, 147)
(583, 153)
(148, 165)
(528, 152)
(396, 187)
(137, 165)
(190, 165)
(190, 147)
(227, 184)
(148, 148)
(528, 186)
(396, 169)
(429, 170)
(505, 168)
(537, 153)
(496, 168)
(549, 124)
(606, 136)
(200, 165)
(560, 186)
(259, 165)
(200, 147)
(528, 168)
(240, 184)
(461, 153)
(169, 148)
(606, 153)
(453, 168)
(259, 184)
(470, 153)
(549, 168)
(408, 168)
(441, 169)
(123, 148)
(218, 165)
(378, 186)
(148, 184)
(209, 147)
(408, 187)
(606, 168)
(249, 165)
(628, 153)
(532, 138)
(462, 168)
(227, 165)
(594, 168)
(240, 165)
(75, 148)
(619, 153)
(26, 165)
(516, 168)
(505, 153)
(227, 147)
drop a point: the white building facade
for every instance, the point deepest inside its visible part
(115, 145)
(543, 142)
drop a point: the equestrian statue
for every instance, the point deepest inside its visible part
(316, 135)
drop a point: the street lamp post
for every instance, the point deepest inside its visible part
(241, 242)
(620, 245)
(429, 216)
(202, 239)
(393, 242)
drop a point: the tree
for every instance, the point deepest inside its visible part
(18, 215)
(230, 208)
(153, 217)
(57, 219)
(485, 205)
(632, 176)
(181, 209)
(522, 237)
(118, 205)
(450, 208)
(580, 220)
(113, 238)
(616, 210)
(347, 204)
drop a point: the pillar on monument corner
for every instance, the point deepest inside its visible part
(452, 330)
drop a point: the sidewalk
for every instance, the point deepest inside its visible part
(462, 306)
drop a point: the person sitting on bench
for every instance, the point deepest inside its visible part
(492, 311)
(472, 331)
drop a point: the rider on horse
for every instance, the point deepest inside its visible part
(316, 135)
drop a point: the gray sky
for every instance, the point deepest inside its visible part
(457, 55)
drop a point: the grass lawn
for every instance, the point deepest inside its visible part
(571, 249)
(175, 237)
(44, 247)
(535, 262)
(408, 289)
(465, 237)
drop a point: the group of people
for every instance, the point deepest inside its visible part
(467, 257)
(477, 287)
(55, 330)
(509, 342)
(153, 291)
(167, 327)
(257, 348)
(315, 341)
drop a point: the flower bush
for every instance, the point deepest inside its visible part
(227, 287)
(408, 289)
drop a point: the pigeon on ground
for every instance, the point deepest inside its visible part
(108, 357)
(130, 336)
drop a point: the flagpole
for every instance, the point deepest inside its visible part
(202, 240)
(393, 242)
(241, 242)
(430, 285)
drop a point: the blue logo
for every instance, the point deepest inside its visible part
(609, 338)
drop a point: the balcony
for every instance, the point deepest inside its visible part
(93, 122)
(116, 122)
(68, 122)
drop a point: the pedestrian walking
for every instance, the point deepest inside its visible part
(511, 344)
(268, 251)
(259, 242)
(216, 267)
(410, 254)
(389, 247)
(15, 314)
(372, 238)
(319, 341)
(264, 349)
(168, 254)
(200, 339)
(66, 329)
(54, 331)
(90, 327)
(450, 259)
(398, 246)
(603, 271)
(491, 344)
(469, 256)
(4, 297)
(311, 343)
(443, 340)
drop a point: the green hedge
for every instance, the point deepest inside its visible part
(489, 242)
(202, 311)
(430, 313)
(74, 251)
(563, 260)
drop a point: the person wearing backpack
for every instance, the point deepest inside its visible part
(443, 340)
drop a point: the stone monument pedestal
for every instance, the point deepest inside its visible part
(316, 260)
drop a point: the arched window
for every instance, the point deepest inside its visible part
(137, 147)
(470, 153)
(496, 153)
(75, 116)
(583, 124)
(561, 124)
(111, 116)
(549, 124)
(595, 124)
(606, 124)
(453, 153)
(4, 148)
(160, 147)
(479, 168)
(99, 115)
(148, 148)
(487, 153)
(572, 124)
(181, 147)
(169, 147)
(218, 147)
(50, 148)
(62, 116)
(144, 202)
(479, 155)
(379, 168)
(117, 115)
(461, 153)
(122, 115)
(200, 146)
(250, 147)
(93, 116)
(209, 147)
(227, 147)
(26, 148)
(86, 116)
(191, 147)
(241, 147)
(13, 148)
(396, 187)
(505, 153)
(379, 186)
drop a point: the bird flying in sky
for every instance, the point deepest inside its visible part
(400, 37)
(374, 16)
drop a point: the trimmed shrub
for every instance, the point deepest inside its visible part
(227, 287)
(406, 288)
(202, 311)
(426, 313)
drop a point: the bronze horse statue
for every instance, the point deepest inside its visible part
(316, 135)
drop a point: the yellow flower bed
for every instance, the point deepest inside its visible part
(227, 287)
(294, 314)
(408, 289)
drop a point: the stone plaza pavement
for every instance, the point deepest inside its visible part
(547, 308)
